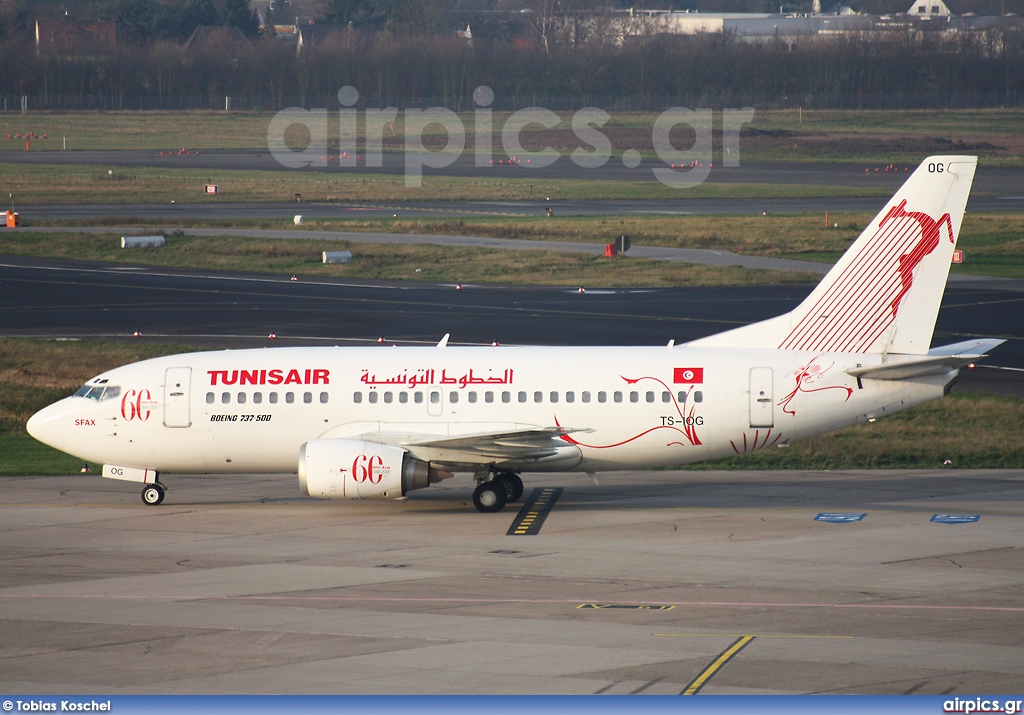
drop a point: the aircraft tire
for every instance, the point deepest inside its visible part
(513, 486)
(490, 497)
(152, 494)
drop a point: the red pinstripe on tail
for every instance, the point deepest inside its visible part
(865, 299)
(883, 294)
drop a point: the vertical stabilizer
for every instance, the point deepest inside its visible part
(883, 295)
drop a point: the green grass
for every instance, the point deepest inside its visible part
(20, 455)
(419, 262)
(70, 184)
(816, 135)
(993, 244)
(971, 430)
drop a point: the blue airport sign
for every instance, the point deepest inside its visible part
(956, 518)
(839, 517)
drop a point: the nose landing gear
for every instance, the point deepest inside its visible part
(502, 488)
(153, 494)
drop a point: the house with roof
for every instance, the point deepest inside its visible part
(929, 9)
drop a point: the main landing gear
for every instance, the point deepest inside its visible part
(502, 488)
(153, 494)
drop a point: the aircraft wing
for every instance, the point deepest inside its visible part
(507, 447)
(937, 361)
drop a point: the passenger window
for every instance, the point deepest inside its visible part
(323, 398)
(681, 396)
(257, 398)
(570, 397)
(418, 398)
(435, 397)
(241, 398)
(273, 397)
(506, 397)
(522, 397)
(371, 397)
(403, 397)
(388, 397)
(453, 397)
(585, 397)
(602, 397)
(666, 397)
(357, 397)
(488, 397)
(289, 397)
(472, 397)
(617, 397)
(698, 396)
(554, 397)
(634, 396)
(538, 396)
(210, 398)
(225, 398)
(307, 397)
(650, 397)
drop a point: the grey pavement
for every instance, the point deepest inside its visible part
(236, 584)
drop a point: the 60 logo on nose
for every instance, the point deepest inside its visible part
(135, 405)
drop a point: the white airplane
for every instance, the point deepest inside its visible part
(358, 423)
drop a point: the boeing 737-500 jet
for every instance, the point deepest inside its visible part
(359, 423)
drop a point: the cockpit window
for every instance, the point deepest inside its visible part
(98, 393)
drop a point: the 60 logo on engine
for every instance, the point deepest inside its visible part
(369, 469)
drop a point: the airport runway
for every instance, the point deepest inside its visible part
(637, 585)
(48, 298)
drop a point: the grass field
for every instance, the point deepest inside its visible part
(53, 183)
(993, 244)
(421, 262)
(777, 135)
(970, 430)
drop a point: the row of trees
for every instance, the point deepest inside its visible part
(407, 71)
(144, 20)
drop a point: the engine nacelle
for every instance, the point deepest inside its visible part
(353, 469)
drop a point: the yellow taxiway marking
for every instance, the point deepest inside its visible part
(724, 657)
(737, 635)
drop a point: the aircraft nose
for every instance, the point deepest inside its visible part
(46, 425)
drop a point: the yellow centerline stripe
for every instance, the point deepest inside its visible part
(697, 683)
(733, 635)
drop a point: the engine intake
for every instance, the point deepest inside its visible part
(354, 469)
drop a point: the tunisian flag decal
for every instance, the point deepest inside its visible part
(688, 375)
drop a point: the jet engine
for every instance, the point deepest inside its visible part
(353, 469)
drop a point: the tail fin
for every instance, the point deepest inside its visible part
(883, 295)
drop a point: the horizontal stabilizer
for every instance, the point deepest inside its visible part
(936, 362)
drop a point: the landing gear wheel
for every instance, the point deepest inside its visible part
(490, 497)
(153, 494)
(513, 486)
